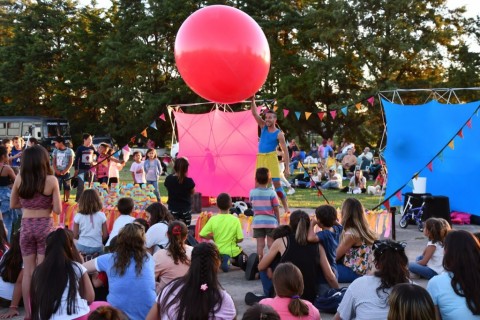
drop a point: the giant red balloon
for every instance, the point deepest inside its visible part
(222, 54)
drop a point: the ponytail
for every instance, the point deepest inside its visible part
(297, 307)
(177, 233)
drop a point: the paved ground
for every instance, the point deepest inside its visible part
(234, 281)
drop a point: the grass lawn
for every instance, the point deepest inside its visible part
(302, 198)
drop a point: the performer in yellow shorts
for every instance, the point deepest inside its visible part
(270, 137)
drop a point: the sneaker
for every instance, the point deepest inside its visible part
(252, 298)
(225, 266)
(291, 191)
(252, 267)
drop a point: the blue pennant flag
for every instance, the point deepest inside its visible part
(153, 125)
(297, 114)
(345, 110)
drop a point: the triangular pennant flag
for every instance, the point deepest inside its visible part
(469, 123)
(305, 175)
(321, 115)
(430, 166)
(386, 204)
(460, 133)
(144, 133)
(319, 193)
(307, 115)
(399, 195)
(132, 139)
(162, 117)
(371, 100)
(410, 184)
(451, 144)
(285, 113)
(415, 176)
(345, 110)
(153, 125)
(275, 108)
(126, 152)
(117, 154)
(358, 106)
(440, 156)
(333, 113)
(297, 114)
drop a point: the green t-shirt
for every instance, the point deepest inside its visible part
(226, 231)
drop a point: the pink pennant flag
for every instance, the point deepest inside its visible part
(162, 117)
(460, 133)
(399, 195)
(371, 100)
(321, 115)
(333, 113)
(469, 123)
(430, 167)
(387, 205)
(285, 113)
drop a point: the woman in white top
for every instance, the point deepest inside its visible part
(61, 288)
(367, 297)
(174, 261)
(158, 218)
(11, 273)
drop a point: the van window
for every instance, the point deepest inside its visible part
(13, 129)
(3, 129)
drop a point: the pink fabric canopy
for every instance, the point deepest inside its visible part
(221, 148)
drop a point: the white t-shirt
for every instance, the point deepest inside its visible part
(114, 171)
(362, 301)
(436, 261)
(82, 304)
(157, 234)
(119, 223)
(139, 171)
(90, 229)
(6, 289)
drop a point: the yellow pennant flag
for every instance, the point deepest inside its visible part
(144, 133)
(307, 115)
(451, 145)
(358, 106)
(415, 176)
(275, 108)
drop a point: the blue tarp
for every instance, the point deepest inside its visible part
(415, 134)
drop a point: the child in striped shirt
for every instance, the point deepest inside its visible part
(265, 207)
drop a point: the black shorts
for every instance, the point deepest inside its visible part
(64, 181)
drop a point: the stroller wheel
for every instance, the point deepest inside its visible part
(404, 221)
(420, 226)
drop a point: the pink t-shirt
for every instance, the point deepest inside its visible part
(166, 269)
(281, 306)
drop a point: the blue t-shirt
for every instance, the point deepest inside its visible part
(132, 294)
(451, 305)
(330, 241)
(268, 140)
(16, 161)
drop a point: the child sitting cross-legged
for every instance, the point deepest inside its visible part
(226, 232)
(329, 237)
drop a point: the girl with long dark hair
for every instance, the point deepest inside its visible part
(455, 292)
(198, 294)
(367, 296)
(173, 261)
(11, 273)
(36, 191)
(130, 272)
(61, 288)
(158, 218)
(310, 258)
(180, 188)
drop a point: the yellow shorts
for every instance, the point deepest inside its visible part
(269, 161)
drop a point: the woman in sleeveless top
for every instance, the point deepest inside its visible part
(308, 257)
(7, 176)
(35, 191)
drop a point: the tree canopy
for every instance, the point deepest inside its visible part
(113, 70)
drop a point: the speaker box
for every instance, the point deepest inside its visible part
(437, 207)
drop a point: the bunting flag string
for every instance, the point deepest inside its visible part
(371, 100)
(307, 115)
(153, 125)
(358, 106)
(297, 114)
(460, 133)
(345, 110)
(162, 117)
(144, 133)
(321, 115)
(451, 145)
(333, 113)
(285, 112)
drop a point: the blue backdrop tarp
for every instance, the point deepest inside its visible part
(415, 134)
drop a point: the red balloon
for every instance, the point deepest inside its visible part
(222, 54)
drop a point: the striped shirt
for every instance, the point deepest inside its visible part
(264, 200)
